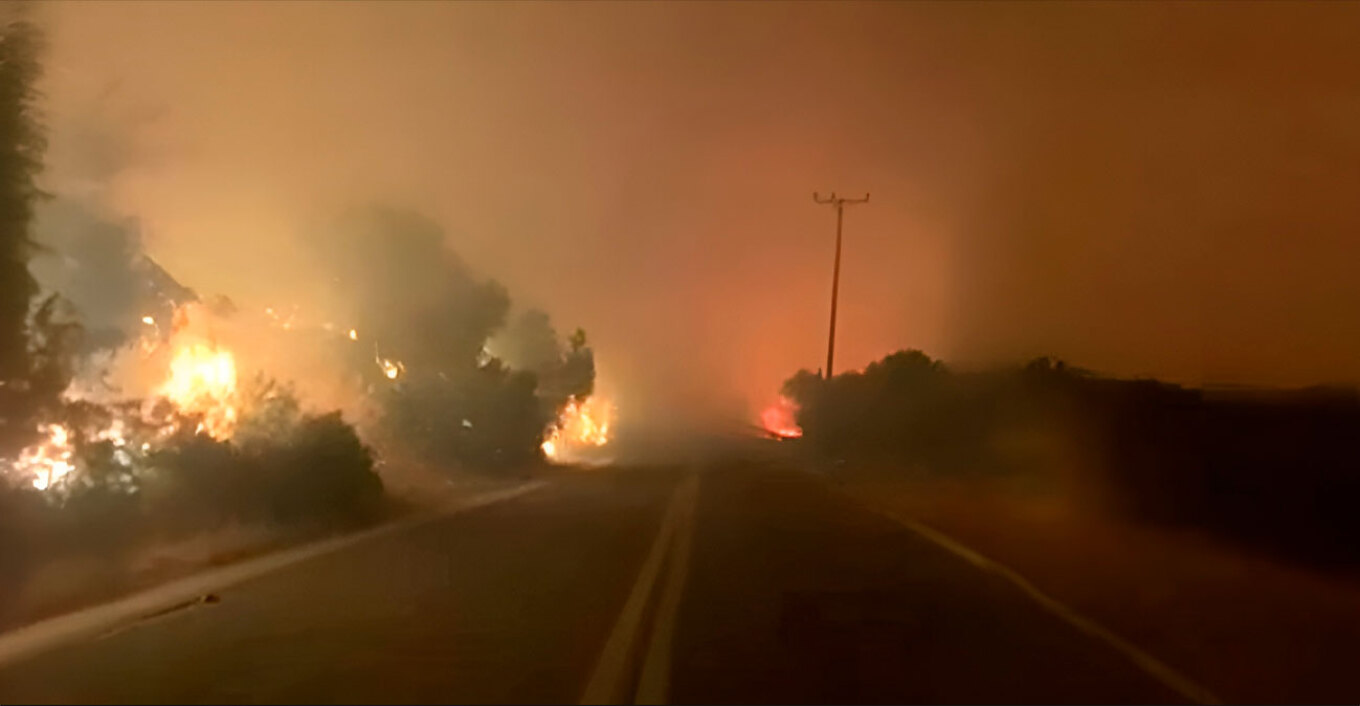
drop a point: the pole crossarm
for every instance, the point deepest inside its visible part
(838, 201)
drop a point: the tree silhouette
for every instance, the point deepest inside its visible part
(21, 147)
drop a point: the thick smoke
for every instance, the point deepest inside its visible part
(1101, 181)
(97, 262)
(421, 323)
(391, 276)
(189, 414)
(1044, 175)
(531, 343)
(397, 338)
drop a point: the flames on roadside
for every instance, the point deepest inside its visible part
(581, 425)
(780, 419)
(181, 377)
(47, 462)
(202, 382)
(187, 376)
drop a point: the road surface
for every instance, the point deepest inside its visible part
(724, 582)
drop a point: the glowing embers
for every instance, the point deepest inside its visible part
(391, 369)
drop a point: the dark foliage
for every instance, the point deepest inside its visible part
(323, 474)
(531, 344)
(1278, 469)
(98, 264)
(21, 147)
(452, 404)
(312, 472)
(488, 418)
(401, 286)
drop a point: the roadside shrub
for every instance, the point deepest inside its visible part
(1278, 469)
(323, 474)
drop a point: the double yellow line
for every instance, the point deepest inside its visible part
(612, 679)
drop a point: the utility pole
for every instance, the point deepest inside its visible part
(840, 204)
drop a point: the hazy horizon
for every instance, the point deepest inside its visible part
(1093, 182)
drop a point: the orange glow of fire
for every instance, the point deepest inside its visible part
(781, 419)
(391, 369)
(581, 424)
(202, 381)
(49, 460)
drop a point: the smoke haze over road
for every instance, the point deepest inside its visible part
(1094, 182)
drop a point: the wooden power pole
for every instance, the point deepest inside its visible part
(840, 204)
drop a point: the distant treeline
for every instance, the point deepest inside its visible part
(1279, 469)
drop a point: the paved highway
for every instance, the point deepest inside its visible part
(736, 581)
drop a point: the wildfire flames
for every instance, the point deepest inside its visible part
(183, 372)
(203, 382)
(581, 425)
(781, 419)
(49, 461)
(198, 379)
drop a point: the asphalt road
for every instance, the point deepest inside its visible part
(735, 582)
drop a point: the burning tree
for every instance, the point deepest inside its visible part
(456, 386)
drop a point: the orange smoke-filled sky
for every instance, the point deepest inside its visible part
(1140, 188)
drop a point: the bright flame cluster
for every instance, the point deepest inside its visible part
(196, 376)
(580, 425)
(203, 382)
(49, 460)
(781, 419)
(391, 369)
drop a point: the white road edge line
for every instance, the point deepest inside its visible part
(1154, 667)
(606, 683)
(31, 640)
(655, 681)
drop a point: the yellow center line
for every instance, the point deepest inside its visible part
(609, 680)
(654, 683)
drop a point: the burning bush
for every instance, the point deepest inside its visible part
(581, 425)
(454, 386)
(566, 382)
(121, 492)
(127, 410)
(286, 466)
